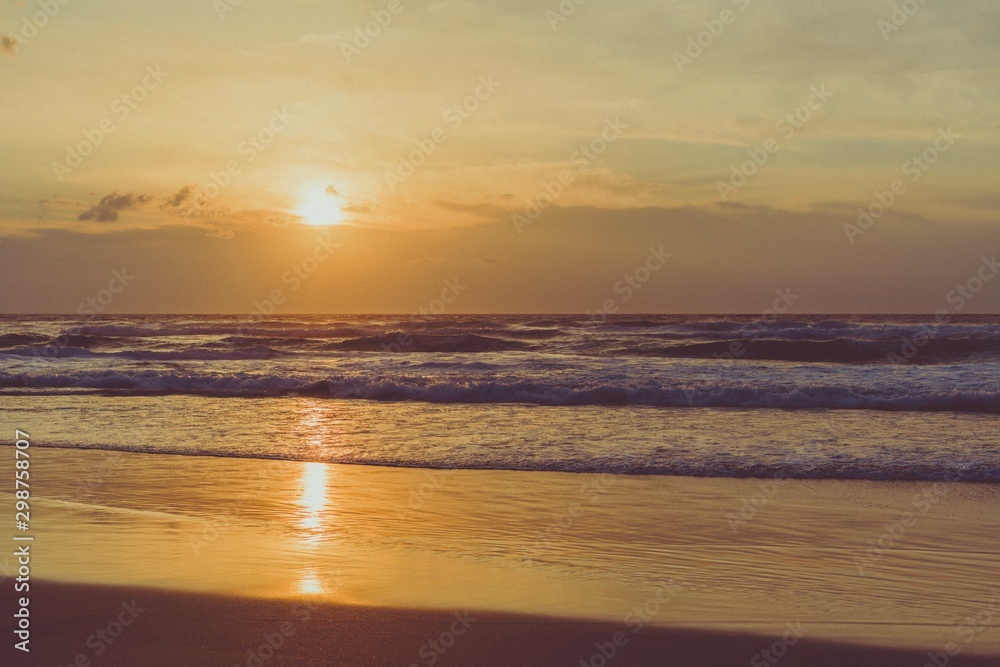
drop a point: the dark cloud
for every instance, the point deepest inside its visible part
(9, 45)
(183, 195)
(107, 209)
(330, 190)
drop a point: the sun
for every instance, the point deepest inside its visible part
(320, 206)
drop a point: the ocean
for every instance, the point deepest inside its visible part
(839, 397)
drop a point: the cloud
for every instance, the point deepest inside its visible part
(216, 233)
(485, 210)
(9, 45)
(192, 203)
(182, 195)
(107, 209)
(490, 259)
(330, 190)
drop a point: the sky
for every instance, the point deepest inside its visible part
(239, 156)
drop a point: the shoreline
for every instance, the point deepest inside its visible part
(699, 556)
(948, 476)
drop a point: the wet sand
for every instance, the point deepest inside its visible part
(173, 628)
(713, 571)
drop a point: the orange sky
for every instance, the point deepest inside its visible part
(532, 153)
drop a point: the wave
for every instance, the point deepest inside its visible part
(194, 354)
(537, 333)
(773, 394)
(827, 330)
(318, 340)
(287, 329)
(632, 324)
(19, 339)
(509, 459)
(831, 340)
(216, 329)
(401, 341)
(840, 350)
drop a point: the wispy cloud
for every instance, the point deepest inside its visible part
(107, 209)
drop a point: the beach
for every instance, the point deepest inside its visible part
(218, 552)
(175, 628)
(515, 334)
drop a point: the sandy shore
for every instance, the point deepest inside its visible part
(218, 551)
(171, 628)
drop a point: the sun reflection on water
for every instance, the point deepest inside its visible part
(310, 583)
(313, 501)
(315, 513)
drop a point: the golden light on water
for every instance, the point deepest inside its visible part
(315, 519)
(313, 500)
(310, 584)
(314, 480)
